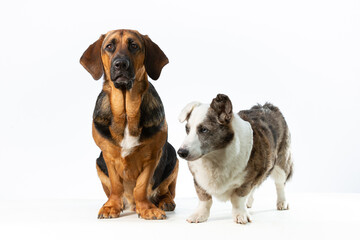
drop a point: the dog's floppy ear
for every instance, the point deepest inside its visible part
(185, 113)
(91, 59)
(155, 58)
(223, 108)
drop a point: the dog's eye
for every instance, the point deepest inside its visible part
(187, 129)
(134, 46)
(204, 130)
(110, 47)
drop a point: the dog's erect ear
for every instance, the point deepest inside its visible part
(185, 113)
(155, 58)
(91, 59)
(223, 108)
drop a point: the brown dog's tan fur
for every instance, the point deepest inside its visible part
(130, 176)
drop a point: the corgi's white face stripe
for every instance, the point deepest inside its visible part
(191, 141)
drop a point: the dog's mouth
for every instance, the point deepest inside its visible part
(188, 156)
(123, 82)
(192, 158)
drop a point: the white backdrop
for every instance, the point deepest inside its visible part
(303, 56)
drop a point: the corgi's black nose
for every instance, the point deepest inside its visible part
(183, 152)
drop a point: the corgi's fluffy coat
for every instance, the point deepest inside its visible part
(231, 154)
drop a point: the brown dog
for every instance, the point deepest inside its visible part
(137, 164)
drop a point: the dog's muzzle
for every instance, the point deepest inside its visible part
(123, 83)
(121, 73)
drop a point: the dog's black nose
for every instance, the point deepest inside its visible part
(183, 152)
(121, 64)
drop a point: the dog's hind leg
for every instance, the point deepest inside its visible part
(166, 193)
(283, 170)
(280, 177)
(103, 174)
(250, 199)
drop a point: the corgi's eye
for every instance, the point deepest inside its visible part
(204, 130)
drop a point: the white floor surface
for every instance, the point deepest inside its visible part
(311, 216)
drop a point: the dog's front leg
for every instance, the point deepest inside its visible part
(239, 210)
(144, 207)
(202, 212)
(114, 205)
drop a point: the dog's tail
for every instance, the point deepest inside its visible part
(267, 105)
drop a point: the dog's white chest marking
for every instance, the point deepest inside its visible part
(128, 143)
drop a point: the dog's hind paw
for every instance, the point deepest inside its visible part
(167, 206)
(282, 205)
(250, 202)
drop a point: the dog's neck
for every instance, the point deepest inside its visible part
(125, 104)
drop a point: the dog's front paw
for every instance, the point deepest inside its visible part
(110, 211)
(198, 217)
(282, 205)
(241, 217)
(151, 213)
